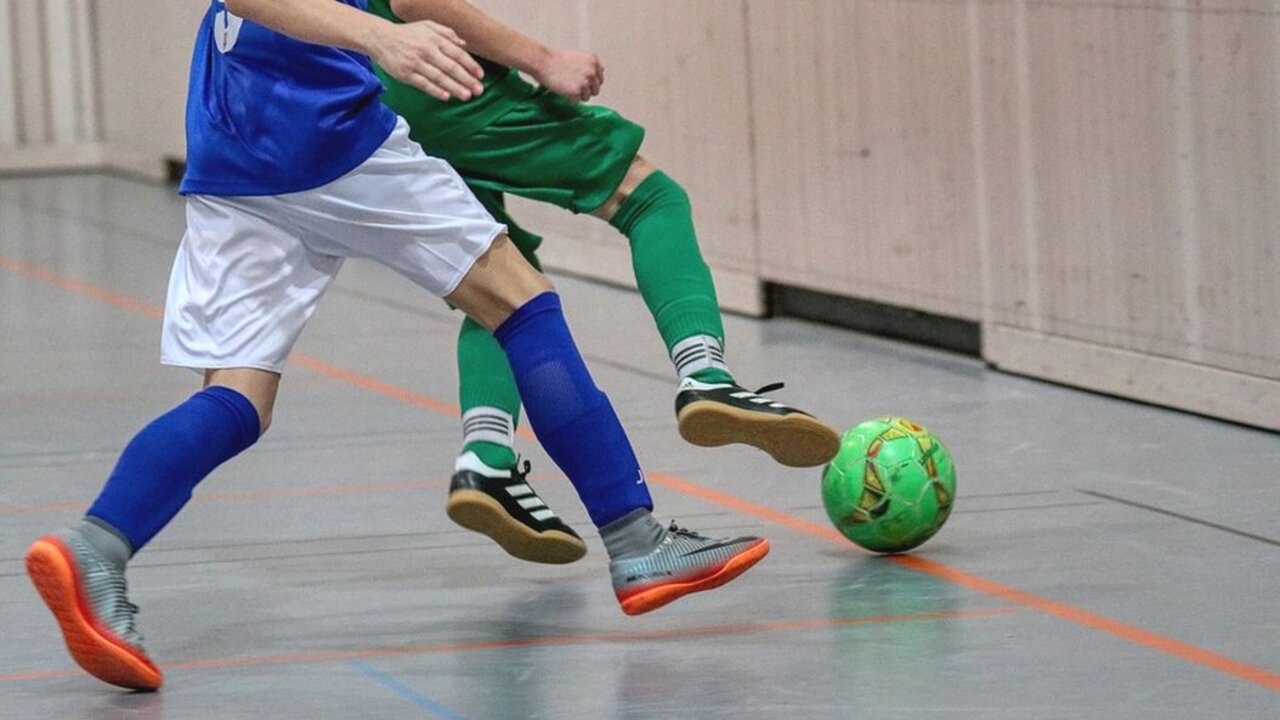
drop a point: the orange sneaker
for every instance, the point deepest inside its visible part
(684, 562)
(87, 596)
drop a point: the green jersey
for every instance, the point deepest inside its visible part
(518, 138)
(433, 120)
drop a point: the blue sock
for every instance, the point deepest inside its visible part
(574, 421)
(162, 464)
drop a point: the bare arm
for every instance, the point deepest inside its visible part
(574, 74)
(426, 55)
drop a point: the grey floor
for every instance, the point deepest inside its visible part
(1106, 560)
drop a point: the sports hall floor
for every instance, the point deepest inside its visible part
(1106, 559)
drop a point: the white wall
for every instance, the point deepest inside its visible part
(49, 112)
(145, 47)
(1097, 184)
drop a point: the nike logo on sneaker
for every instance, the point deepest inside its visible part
(714, 546)
(649, 575)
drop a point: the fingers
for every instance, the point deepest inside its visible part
(441, 47)
(429, 56)
(597, 78)
(592, 80)
(449, 70)
(435, 83)
(459, 65)
(446, 31)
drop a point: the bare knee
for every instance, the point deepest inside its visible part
(640, 169)
(258, 386)
(497, 285)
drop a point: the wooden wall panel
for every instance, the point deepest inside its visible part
(1152, 188)
(864, 144)
(32, 68)
(557, 22)
(145, 50)
(1098, 183)
(61, 80)
(86, 63)
(1132, 234)
(1235, 202)
(8, 88)
(1003, 161)
(48, 109)
(1106, 168)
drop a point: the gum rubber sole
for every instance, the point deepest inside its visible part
(94, 648)
(476, 511)
(655, 597)
(793, 440)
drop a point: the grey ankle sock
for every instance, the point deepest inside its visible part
(106, 540)
(632, 535)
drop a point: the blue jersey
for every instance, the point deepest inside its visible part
(268, 115)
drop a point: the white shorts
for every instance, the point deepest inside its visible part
(250, 270)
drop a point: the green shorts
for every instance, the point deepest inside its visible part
(543, 147)
(525, 241)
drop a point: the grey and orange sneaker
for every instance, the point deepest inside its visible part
(502, 505)
(88, 598)
(683, 562)
(723, 413)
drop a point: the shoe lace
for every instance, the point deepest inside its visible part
(126, 613)
(522, 468)
(131, 620)
(770, 388)
(684, 532)
(130, 611)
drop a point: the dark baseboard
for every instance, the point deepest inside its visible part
(174, 169)
(940, 331)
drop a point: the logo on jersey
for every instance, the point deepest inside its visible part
(226, 29)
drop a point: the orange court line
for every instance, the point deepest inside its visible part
(290, 492)
(1155, 641)
(75, 286)
(1145, 638)
(374, 386)
(315, 365)
(638, 635)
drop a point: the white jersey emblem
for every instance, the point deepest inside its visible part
(226, 29)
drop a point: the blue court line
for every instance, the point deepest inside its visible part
(403, 690)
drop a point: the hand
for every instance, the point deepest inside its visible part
(572, 74)
(428, 56)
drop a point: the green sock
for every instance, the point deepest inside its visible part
(498, 457)
(489, 397)
(674, 280)
(712, 375)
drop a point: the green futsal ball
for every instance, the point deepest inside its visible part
(891, 486)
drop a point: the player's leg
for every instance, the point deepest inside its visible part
(584, 158)
(654, 213)
(415, 215)
(577, 426)
(212, 321)
(490, 491)
(487, 391)
(80, 571)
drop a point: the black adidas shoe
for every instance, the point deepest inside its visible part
(502, 505)
(722, 413)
